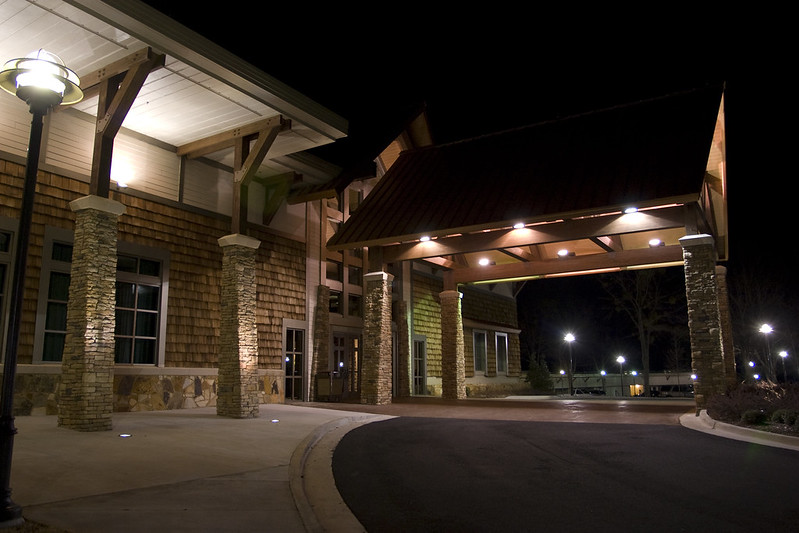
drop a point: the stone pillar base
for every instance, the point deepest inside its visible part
(237, 392)
(87, 366)
(707, 356)
(453, 366)
(376, 374)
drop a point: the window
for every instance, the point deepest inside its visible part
(141, 286)
(344, 270)
(354, 305)
(138, 297)
(335, 302)
(57, 296)
(502, 353)
(335, 271)
(355, 275)
(480, 355)
(419, 365)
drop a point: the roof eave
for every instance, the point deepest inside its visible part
(174, 39)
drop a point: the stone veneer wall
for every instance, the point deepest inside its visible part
(87, 368)
(193, 320)
(238, 339)
(376, 372)
(707, 357)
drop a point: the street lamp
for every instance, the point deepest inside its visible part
(765, 329)
(635, 390)
(603, 374)
(783, 354)
(620, 360)
(43, 82)
(569, 338)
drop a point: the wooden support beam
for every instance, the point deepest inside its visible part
(247, 159)
(663, 255)
(583, 228)
(117, 93)
(90, 82)
(227, 139)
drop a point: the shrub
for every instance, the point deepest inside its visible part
(784, 416)
(754, 417)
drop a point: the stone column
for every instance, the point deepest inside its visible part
(453, 366)
(87, 367)
(376, 371)
(725, 321)
(707, 356)
(237, 395)
(404, 350)
(321, 336)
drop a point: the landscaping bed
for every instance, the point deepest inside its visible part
(763, 406)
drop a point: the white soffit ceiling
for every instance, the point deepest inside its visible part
(201, 91)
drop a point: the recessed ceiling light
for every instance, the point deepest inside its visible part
(631, 210)
(518, 225)
(424, 238)
(483, 261)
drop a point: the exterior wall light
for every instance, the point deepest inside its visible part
(43, 82)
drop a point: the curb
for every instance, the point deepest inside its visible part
(702, 422)
(311, 477)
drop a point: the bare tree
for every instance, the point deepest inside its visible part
(649, 298)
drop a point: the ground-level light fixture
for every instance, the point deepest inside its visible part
(43, 82)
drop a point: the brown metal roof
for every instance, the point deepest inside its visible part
(637, 154)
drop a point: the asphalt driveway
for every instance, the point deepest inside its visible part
(466, 475)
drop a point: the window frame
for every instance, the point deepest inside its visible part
(482, 357)
(61, 235)
(497, 336)
(11, 227)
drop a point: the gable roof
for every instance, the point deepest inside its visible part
(644, 154)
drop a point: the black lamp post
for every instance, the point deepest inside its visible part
(42, 80)
(620, 359)
(569, 338)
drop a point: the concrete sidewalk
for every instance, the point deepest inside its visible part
(186, 470)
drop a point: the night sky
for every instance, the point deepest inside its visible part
(486, 70)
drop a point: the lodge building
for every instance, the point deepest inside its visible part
(219, 260)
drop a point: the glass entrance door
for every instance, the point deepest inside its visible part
(346, 360)
(294, 363)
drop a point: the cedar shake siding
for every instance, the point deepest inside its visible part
(187, 238)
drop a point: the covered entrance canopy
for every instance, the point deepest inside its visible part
(553, 198)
